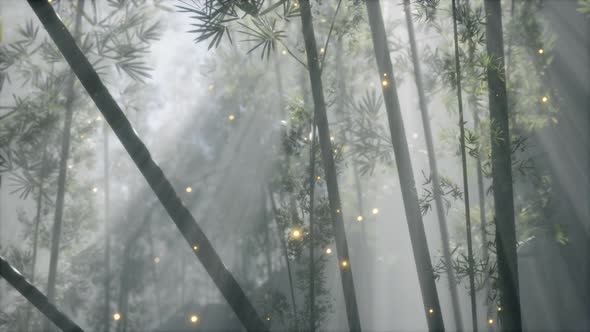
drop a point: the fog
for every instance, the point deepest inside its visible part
(232, 109)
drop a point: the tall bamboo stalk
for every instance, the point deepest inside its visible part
(502, 172)
(404, 165)
(63, 168)
(436, 188)
(321, 119)
(472, 101)
(470, 261)
(161, 186)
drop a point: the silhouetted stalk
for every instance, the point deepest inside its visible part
(502, 172)
(326, 149)
(405, 172)
(281, 232)
(436, 188)
(163, 189)
(470, 261)
(38, 299)
(107, 234)
(63, 168)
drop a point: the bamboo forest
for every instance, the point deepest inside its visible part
(294, 165)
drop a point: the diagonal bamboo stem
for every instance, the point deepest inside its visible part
(38, 299)
(161, 186)
(404, 165)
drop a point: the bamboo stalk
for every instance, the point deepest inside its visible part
(161, 186)
(404, 166)
(326, 149)
(38, 299)
(470, 261)
(436, 188)
(502, 172)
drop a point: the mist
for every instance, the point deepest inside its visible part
(294, 165)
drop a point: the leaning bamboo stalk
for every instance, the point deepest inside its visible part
(38, 299)
(321, 119)
(502, 171)
(404, 166)
(436, 188)
(161, 186)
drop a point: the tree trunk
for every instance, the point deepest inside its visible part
(502, 172)
(404, 165)
(38, 299)
(436, 189)
(321, 120)
(470, 261)
(161, 186)
(63, 168)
